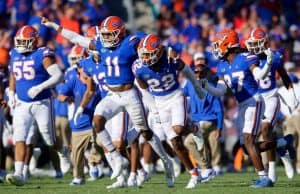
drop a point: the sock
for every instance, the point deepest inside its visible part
(25, 170)
(109, 160)
(272, 165)
(158, 148)
(19, 167)
(106, 140)
(148, 168)
(262, 174)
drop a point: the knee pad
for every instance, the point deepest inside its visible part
(147, 134)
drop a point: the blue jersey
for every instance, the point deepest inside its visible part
(161, 82)
(29, 71)
(238, 75)
(76, 89)
(118, 61)
(269, 83)
(207, 109)
(97, 72)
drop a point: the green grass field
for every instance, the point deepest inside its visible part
(228, 183)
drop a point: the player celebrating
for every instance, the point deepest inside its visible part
(119, 52)
(156, 72)
(257, 43)
(33, 73)
(238, 71)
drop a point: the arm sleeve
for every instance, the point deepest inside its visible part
(258, 73)
(189, 74)
(219, 90)
(55, 77)
(261, 73)
(76, 38)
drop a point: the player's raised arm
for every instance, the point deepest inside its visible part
(70, 35)
(53, 70)
(186, 70)
(261, 73)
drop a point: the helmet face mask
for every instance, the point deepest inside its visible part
(112, 31)
(256, 46)
(77, 53)
(256, 42)
(26, 39)
(110, 39)
(150, 50)
(148, 58)
(225, 40)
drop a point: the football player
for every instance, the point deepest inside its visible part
(118, 51)
(257, 43)
(239, 71)
(33, 72)
(156, 73)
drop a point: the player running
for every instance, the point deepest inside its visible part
(257, 43)
(239, 72)
(156, 75)
(118, 51)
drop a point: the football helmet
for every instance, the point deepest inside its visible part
(77, 53)
(150, 49)
(112, 31)
(256, 41)
(224, 40)
(26, 39)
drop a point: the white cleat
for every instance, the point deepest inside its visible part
(77, 182)
(120, 183)
(142, 178)
(192, 182)
(207, 175)
(288, 166)
(120, 164)
(13, 179)
(169, 170)
(132, 181)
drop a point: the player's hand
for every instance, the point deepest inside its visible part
(78, 114)
(34, 91)
(49, 24)
(270, 56)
